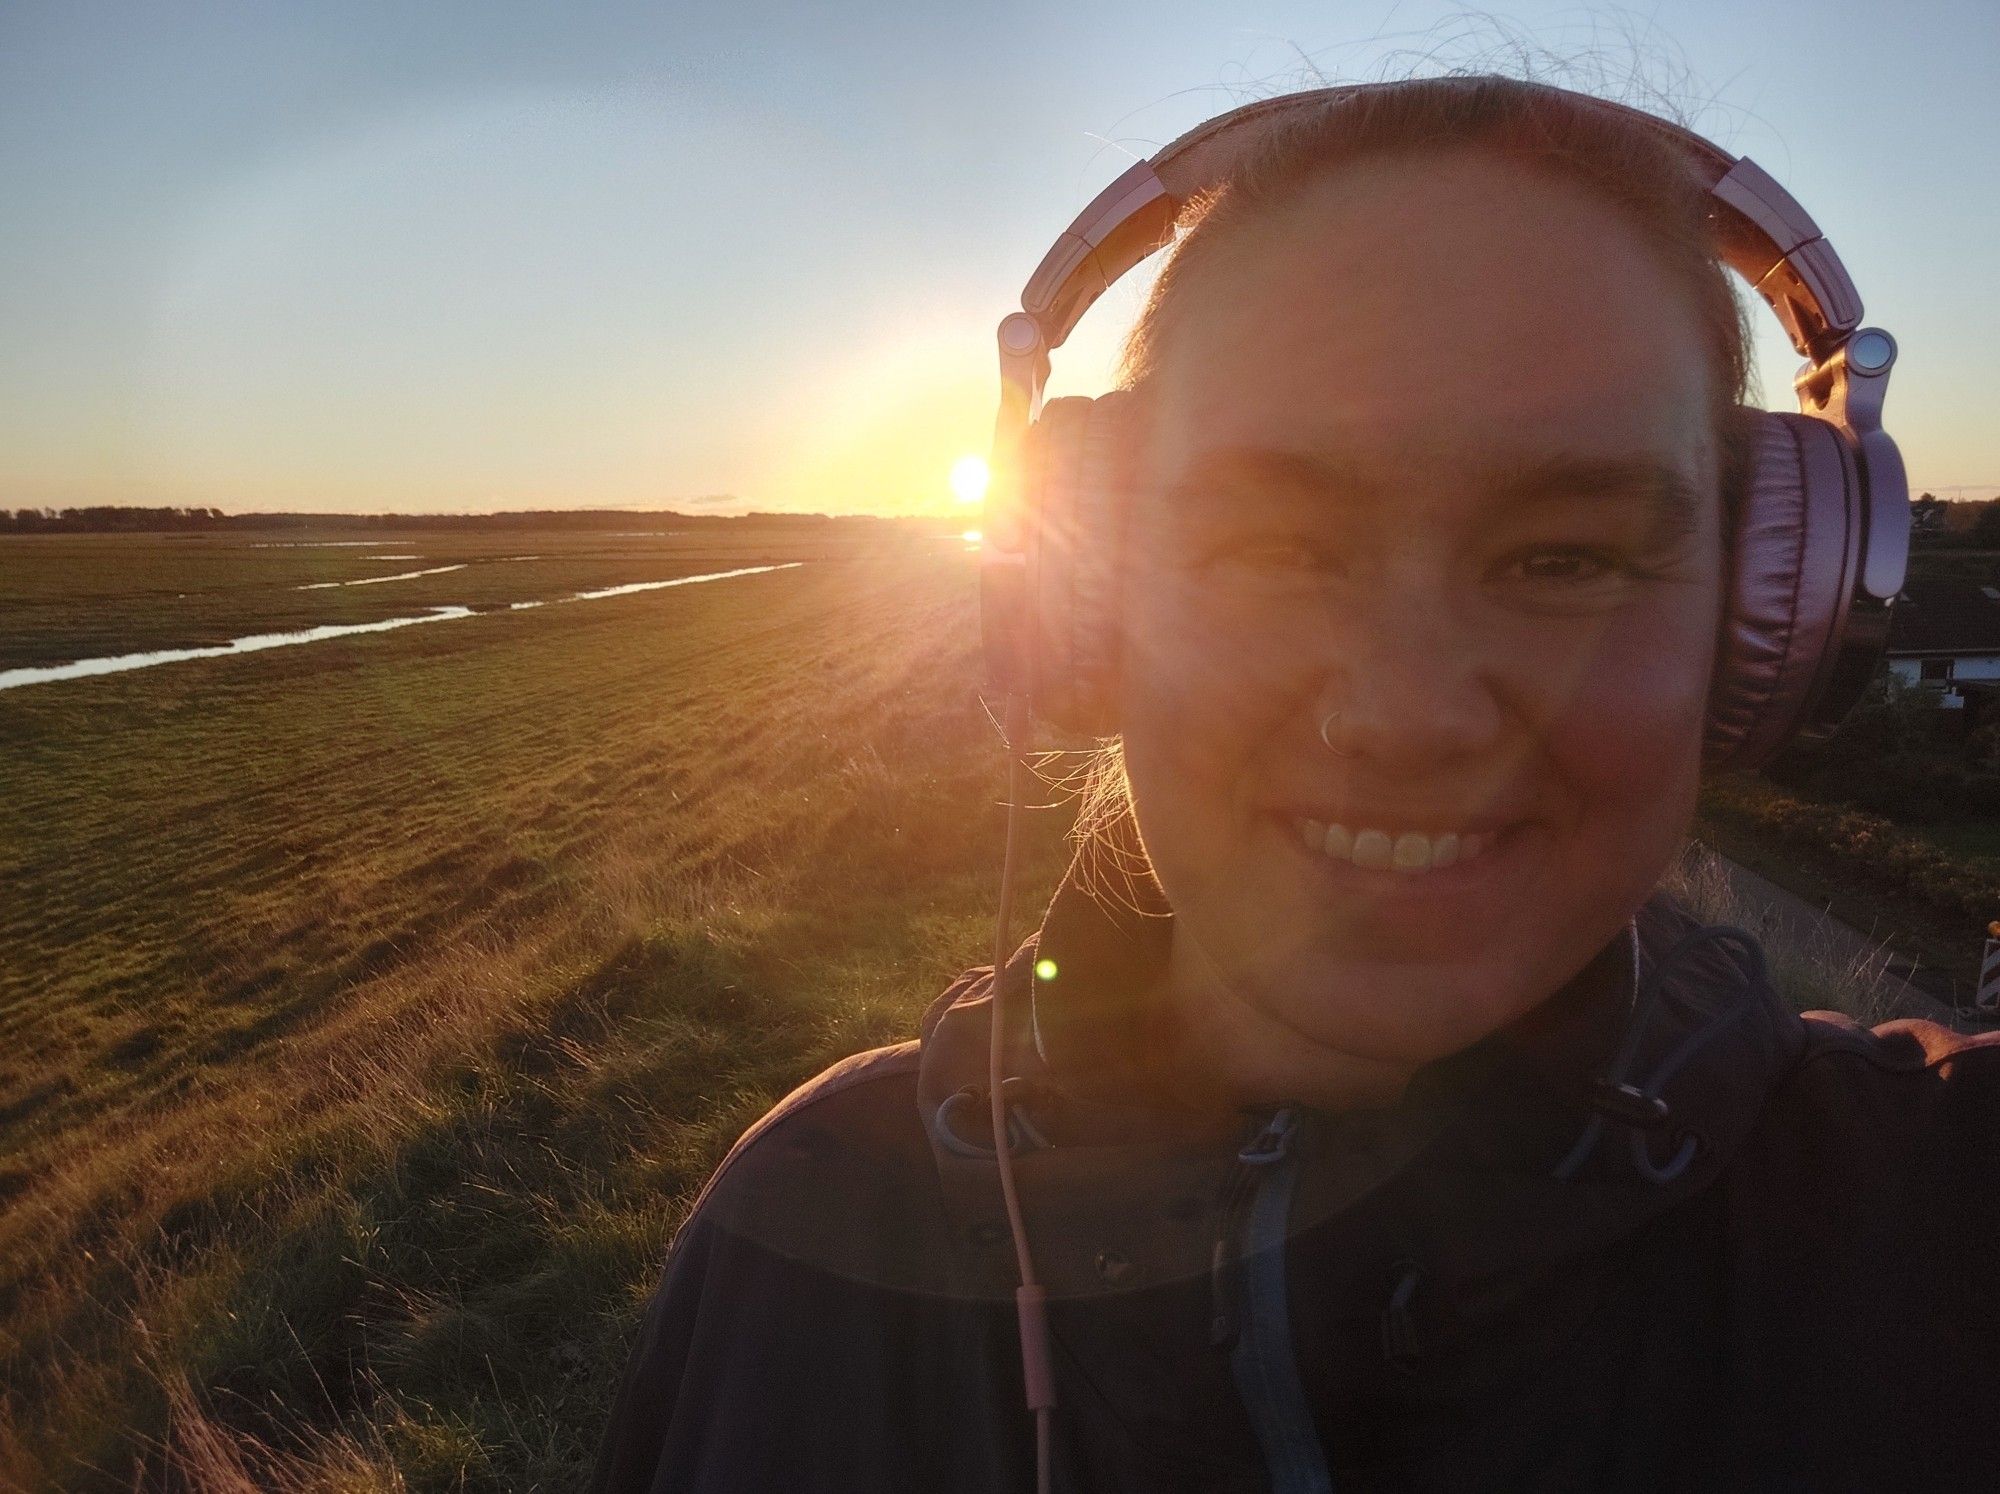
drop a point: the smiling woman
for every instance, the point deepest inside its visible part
(1359, 1116)
(1471, 571)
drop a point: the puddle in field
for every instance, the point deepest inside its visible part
(314, 544)
(632, 586)
(436, 570)
(258, 642)
(254, 643)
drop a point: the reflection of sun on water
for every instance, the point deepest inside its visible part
(969, 478)
(972, 536)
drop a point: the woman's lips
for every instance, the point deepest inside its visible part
(1374, 848)
(1408, 851)
(1387, 856)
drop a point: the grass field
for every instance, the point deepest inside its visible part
(66, 597)
(370, 1009)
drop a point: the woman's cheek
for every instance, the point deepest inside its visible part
(1632, 730)
(1198, 695)
(1197, 719)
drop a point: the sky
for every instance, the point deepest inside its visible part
(468, 256)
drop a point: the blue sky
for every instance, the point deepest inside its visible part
(465, 256)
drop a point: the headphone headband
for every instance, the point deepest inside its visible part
(1766, 236)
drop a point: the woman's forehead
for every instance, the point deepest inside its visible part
(1413, 306)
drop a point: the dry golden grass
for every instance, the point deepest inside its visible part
(1820, 972)
(376, 1006)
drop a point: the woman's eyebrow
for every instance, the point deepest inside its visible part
(1262, 468)
(1673, 503)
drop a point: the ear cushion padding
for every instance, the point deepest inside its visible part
(1792, 558)
(1076, 465)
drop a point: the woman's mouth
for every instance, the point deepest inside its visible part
(1392, 850)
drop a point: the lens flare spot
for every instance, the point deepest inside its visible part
(1045, 970)
(972, 536)
(969, 476)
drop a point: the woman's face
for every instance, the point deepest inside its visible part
(1433, 450)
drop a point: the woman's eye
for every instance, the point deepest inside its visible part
(1561, 564)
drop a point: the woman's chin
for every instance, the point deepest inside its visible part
(1407, 1009)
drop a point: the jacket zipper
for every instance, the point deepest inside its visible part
(1249, 1305)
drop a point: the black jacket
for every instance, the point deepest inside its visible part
(1661, 1233)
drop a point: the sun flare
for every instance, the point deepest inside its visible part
(969, 477)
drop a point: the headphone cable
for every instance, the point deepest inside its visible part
(1030, 1298)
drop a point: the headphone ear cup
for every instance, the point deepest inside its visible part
(1793, 550)
(1076, 464)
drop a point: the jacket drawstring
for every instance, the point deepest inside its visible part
(1268, 1145)
(1022, 1133)
(1399, 1332)
(1640, 1107)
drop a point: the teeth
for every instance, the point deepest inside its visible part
(1409, 851)
(1372, 849)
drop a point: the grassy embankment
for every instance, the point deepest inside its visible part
(370, 1010)
(1871, 873)
(1812, 971)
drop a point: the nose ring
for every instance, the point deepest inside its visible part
(1325, 734)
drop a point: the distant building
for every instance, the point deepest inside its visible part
(1945, 632)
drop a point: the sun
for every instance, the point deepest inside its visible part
(969, 476)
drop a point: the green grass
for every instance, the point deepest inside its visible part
(1869, 872)
(1970, 838)
(65, 597)
(377, 1005)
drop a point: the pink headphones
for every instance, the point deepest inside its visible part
(1821, 535)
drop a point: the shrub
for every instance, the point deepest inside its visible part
(1871, 847)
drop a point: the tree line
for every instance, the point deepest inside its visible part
(120, 519)
(1968, 524)
(108, 518)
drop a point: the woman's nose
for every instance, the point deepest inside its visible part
(1407, 681)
